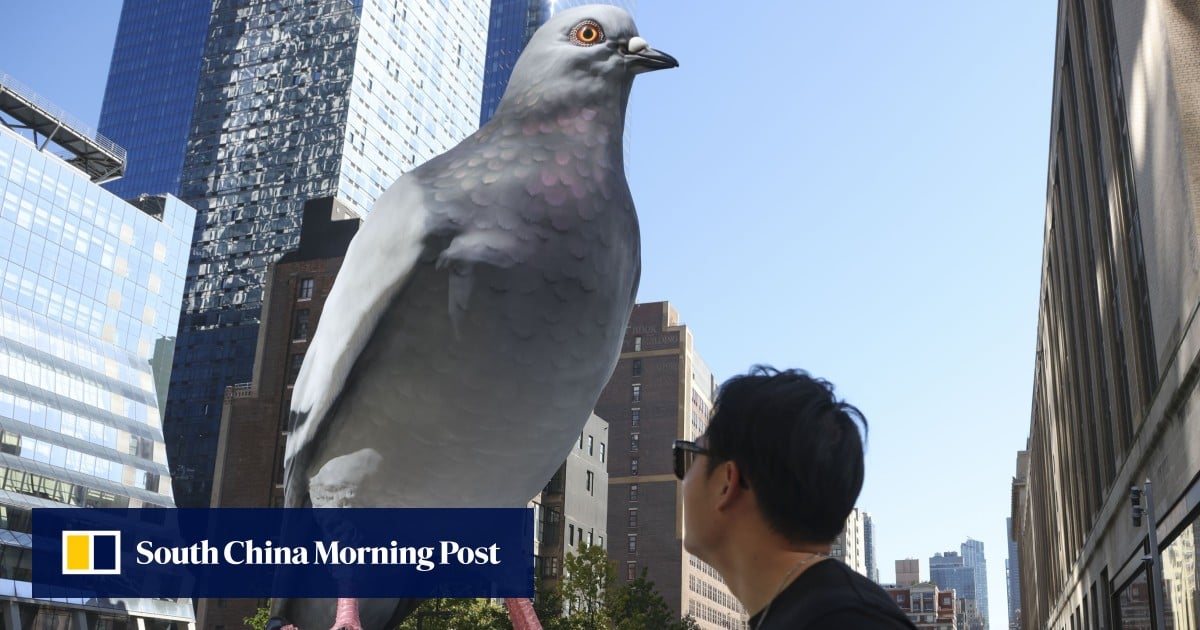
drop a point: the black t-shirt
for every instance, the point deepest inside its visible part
(830, 596)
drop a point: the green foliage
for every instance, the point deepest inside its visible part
(637, 605)
(451, 614)
(588, 578)
(598, 603)
(258, 621)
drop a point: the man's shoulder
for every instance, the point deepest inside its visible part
(829, 595)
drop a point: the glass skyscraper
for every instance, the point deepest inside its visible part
(972, 552)
(88, 311)
(151, 90)
(296, 99)
(965, 573)
(511, 24)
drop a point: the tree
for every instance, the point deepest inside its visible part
(548, 604)
(587, 579)
(258, 621)
(636, 605)
(446, 613)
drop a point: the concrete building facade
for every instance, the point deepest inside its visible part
(908, 572)
(851, 545)
(572, 510)
(660, 391)
(1118, 343)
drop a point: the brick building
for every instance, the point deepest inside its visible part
(660, 391)
(254, 420)
(927, 606)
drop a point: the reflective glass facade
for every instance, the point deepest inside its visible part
(298, 100)
(88, 312)
(511, 24)
(151, 89)
(973, 557)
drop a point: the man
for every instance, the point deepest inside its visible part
(767, 488)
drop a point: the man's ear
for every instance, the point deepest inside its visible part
(733, 486)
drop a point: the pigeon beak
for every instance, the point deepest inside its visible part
(642, 58)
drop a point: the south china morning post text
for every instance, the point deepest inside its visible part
(225, 552)
(333, 552)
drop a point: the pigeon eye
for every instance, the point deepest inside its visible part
(587, 33)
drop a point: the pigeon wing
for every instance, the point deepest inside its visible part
(378, 264)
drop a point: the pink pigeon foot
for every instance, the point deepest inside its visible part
(520, 611)
(347, 615)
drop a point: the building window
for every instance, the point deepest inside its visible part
(637, 393)
(633, 493)
(632, 544)
(631, 571)
(633, 466)
(602, 452)
(1179, 566)
(637, 344)
(300, 325)
(600, 540)
(305, 289)
(591, 444)
(294, 368)
(633, 517)
(637, 367)
(571, 531)
(581, 439)
(635, 418)
(633, 441)
(591, 479)
(591, 537)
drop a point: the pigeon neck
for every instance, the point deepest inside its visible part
(604, 108)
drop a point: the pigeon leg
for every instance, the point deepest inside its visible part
(347, 615)
(520, 611)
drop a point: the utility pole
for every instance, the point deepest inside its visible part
(1142, 500)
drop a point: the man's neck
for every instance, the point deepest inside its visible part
(760, 572)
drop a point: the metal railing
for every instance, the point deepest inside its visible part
(58, 113)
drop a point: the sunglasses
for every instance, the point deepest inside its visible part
(685, 453)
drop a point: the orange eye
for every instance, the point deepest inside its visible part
(587, 33)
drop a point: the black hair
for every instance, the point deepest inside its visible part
(796, 445)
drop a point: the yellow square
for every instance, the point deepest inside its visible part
(79, 552)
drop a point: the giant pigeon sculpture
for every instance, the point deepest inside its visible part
(480, 310)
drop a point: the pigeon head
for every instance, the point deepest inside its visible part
(582, 56)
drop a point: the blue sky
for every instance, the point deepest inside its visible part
(857, 189)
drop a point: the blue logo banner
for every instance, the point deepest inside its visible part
(226, 552)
